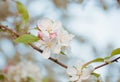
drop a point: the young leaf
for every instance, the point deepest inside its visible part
(107, 57)
(92, 61)
(62, 53)
(96, 74)
(115, 52)
(23, 11)
(98, 60)
(26, 38)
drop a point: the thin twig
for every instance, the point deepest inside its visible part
(106, 63)
(34, 47)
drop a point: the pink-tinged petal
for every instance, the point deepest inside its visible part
(53, 35)
(46, 53)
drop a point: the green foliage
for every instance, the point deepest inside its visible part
(93, 61)
(23, 11)
(2, 77)
(115, 52)
(96, 74)
(62, 53)
(107, 57)
(26, 38)
(98, 60)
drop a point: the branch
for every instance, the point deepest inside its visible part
(34, 47)
(106, 63)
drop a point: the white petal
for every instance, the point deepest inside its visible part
(86, 73)
(71, 71)
(74, 78)
(78, 65)
(91, 79)
(80, 80)
(45, 34)
(57, 49)
(44, 24)
(46, 53)
(56, 25)
(40, 43)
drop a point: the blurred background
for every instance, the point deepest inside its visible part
(95, 24)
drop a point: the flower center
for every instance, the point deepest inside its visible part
(49, 30)
(48, 44)
(79, 73)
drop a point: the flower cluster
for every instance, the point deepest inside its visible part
(53, 38)
(78, 74)
(23, 72)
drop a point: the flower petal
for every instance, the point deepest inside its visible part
(74, 78)
(57, 49)
(86, 73)
(40, 35)
(53, 35)
(91, 79)
(44, 24)
(46, 53)
(71, 71)
(56, 25)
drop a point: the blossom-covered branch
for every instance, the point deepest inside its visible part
(106, 63)
(34, 47)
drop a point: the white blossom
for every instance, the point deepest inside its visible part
(48, 26)
(53, 38)
(78, 74)
(48, 46)
(23, 72)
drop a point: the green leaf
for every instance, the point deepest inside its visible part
(115, 52)
(92, 61)
(23, 11)
(26, 38)
(62, 53)
(2, 77)
(98, 60)
(96, 74)
(107, 57)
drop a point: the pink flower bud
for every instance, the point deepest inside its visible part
(40, 34)
(53, 35)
